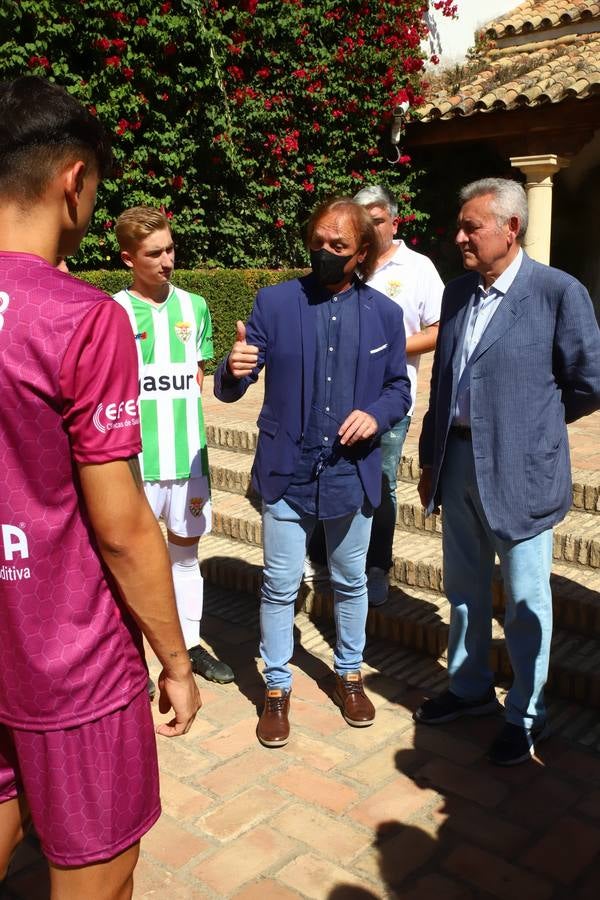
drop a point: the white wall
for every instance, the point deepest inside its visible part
(451, 38)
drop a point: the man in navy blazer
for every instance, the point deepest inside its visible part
(335, 380)
(518, 356)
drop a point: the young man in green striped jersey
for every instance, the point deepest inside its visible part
(173, 334)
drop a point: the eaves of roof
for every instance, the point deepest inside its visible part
(540, 15)
(526, 76)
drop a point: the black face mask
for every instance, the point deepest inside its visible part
(328, 268)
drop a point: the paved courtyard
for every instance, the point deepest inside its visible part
(355, 814)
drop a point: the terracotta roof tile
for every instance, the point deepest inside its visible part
(528, 75)
(537, 15)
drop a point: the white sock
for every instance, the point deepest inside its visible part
(189, 586)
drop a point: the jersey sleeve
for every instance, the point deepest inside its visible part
(99, 384)
(205, 335)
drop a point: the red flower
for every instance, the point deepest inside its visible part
(264, 72)
(403, 160)
(309, 168)
(300, 73)
(316, 126)
(103, 43)
(336, 113)
(119, 17)
(170, 49)
(164, 96)
(308, 186)
(119, 44)
(41, 61)
(112, 61)
(165, 8)
(177, 182)
(92, 111)
(151, 173)
(236, 73)
(414, 241)
(434, 59)
(250, 6)
(142, 22)
(107, 224)
(411, 64)
(122, 126)
(127, 72)
(169, 215)
(279, 223)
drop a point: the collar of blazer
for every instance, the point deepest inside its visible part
(511, 308)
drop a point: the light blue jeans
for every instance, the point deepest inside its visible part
(285, 536)
(384, 517)
(469, 549)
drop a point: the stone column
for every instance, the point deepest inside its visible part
(539, 171)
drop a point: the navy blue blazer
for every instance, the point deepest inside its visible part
(282, 325)
(536, 367)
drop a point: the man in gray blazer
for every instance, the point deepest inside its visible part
(518, 356)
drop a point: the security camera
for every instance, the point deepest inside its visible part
(402, 109)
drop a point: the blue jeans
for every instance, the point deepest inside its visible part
(469, 549)
(384, 517)
(285, 536)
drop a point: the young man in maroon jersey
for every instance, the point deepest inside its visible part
(83, 565)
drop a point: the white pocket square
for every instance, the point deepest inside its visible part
(377, 349)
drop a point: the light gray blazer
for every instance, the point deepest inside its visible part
(536, 367)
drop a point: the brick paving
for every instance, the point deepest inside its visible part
(391, 811)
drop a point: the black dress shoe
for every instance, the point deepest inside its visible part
(516, 744)
(210, 668)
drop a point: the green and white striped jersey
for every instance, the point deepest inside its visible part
(171, 339)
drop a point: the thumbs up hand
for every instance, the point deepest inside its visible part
(243, 357)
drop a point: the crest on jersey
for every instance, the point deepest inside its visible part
(394, 287)
(183, 330)
(197, 505)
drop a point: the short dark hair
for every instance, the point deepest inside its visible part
(42, 127)
(364, 229)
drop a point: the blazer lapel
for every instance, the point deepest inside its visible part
(510, 309)
(461, 321)
(365, 307)
(308, 337)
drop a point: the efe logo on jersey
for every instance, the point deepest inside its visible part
(116, 415)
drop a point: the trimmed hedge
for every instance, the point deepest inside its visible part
(228, 292)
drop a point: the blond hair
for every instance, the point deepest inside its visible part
(137, 223)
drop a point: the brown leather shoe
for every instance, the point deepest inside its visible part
(350, 696)
(273, 729)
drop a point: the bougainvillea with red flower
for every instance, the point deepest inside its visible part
(237, 116)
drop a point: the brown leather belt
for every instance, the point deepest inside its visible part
(461, 432)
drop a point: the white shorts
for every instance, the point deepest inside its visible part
(184, 505)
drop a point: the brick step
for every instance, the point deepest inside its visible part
(413, 668)
(576, 539)
(237, 436)
(413, 619)
(417, 563)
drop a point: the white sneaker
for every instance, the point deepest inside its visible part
(315, 573)
(378, 585)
